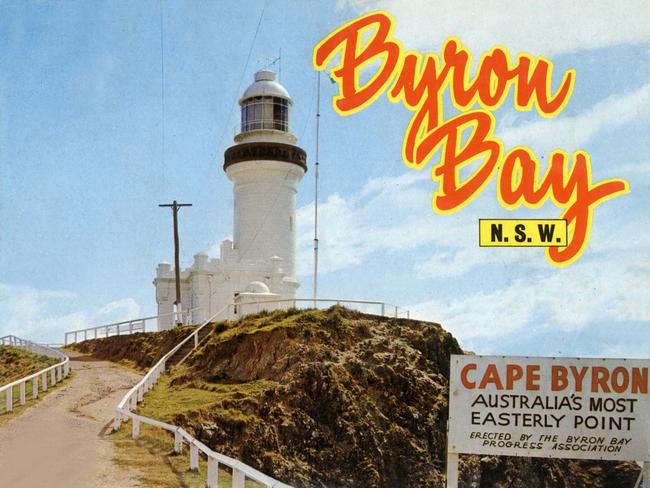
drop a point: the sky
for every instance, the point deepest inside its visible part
(109, 108)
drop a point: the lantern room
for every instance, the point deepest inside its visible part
(265, 104)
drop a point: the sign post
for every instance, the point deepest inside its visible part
(548, 407)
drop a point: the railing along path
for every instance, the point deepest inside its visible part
(240, 471)
(56, 372)
(123, 328)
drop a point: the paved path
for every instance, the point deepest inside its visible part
(62, 441)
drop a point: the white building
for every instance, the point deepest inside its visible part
(265, 167)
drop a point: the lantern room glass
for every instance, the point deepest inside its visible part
(265, 112)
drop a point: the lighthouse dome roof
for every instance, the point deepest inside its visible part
(257, 287)
(265, 84)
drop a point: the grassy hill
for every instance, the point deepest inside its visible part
(16, 363)
(332, 398)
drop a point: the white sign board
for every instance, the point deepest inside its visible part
(549, 407)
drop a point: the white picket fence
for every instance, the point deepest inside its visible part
(124, 328)
(240, 471)
(55, 372)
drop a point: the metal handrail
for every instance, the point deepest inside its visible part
(393, 310)
(57, 371)
(135, 325)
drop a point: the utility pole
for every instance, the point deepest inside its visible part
(175, 206)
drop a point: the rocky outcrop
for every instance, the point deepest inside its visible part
(337, 398)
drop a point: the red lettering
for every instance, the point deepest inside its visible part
(599, 377)
(491, 376)
(559, 378)
(640, 380)
(578, 376)
(514, 372)
(470, 385)
(347, 39)
(532, 377)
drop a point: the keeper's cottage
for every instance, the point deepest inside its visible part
(265, 166)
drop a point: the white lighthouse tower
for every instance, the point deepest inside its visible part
(265, 166)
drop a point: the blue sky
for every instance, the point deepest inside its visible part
(83, 166)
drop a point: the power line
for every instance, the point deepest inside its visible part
(162, 89)
(243, 74)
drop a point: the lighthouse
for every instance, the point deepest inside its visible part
(265, 166)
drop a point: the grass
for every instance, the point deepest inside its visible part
(152, 457)
(16, 363)
(266, 321)
(165, 401)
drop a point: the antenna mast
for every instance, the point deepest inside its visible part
(316, 191)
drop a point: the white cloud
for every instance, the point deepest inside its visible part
(388, 215)
(393, 216)
(562, 301)
(44, 315)
(544, 28)
(571, 133)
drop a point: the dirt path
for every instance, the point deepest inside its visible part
(62, 441)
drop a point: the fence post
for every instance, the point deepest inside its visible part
(213, 473)
(238, 478)
(178, 442)
(9, 399)
(53, 376)
(383, 309)
(135, 433)
(22, 393)
(194, 458)
(35, 388)
(44, 381)
(452, 470)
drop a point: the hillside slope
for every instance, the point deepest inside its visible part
(16, 363)
(338, 398)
